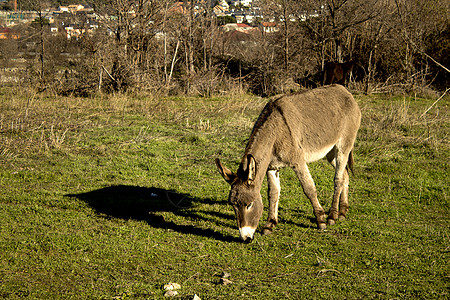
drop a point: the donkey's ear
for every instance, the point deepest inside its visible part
(228, 175)
(251, 168)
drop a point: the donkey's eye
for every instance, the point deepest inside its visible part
(250, 205)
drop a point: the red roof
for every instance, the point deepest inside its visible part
(178, 7)
(269, 24)
(7, 33)
(6, 30)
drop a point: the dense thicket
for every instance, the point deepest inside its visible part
(149, 45)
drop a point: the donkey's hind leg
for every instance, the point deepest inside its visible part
(339, 206)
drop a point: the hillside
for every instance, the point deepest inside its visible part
(113, 197)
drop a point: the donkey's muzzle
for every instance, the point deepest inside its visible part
(247, 233)
(248, 240)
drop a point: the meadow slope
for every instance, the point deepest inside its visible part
(111, 197)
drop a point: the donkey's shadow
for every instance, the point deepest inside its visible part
(145, 204)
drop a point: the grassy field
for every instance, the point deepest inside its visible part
(112, 197)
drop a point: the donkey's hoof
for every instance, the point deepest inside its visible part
(331, 222)
(321, 226)
(342, 217)
(266, 231)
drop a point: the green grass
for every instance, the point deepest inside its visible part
(84, 213)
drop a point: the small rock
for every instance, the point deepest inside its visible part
(172, 286)
(225, 281)
(196, 297)
(170, 293)
(225, 274)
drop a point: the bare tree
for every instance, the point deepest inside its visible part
(414, 26)
(283, 12)
(41, 26)
(132, 55)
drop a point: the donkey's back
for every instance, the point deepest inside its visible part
(316, 121)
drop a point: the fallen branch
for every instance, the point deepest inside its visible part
(435, 61)
(110, 76)
(442, 96)
(321, 272)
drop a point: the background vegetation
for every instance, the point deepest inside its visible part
(148, 46)
(85, 185)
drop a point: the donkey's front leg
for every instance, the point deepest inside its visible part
(273, 181)
(310, 191)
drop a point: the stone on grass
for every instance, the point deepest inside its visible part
(172, 286)
(170, 293)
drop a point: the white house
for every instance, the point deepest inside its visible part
(269, 27)
(221, 9)
(247, 3)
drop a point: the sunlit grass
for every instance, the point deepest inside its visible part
(85, 183)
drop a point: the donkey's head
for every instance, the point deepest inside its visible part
(244, 196)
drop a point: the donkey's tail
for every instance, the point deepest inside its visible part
(350, 162)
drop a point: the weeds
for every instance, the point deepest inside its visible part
(396, 116)
(393, 128)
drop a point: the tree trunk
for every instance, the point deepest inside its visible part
(41, 55)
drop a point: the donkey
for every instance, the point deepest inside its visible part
(337, 72)
(292, 131)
